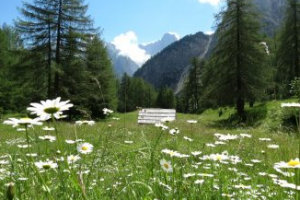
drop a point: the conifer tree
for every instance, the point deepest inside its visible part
(235, 71)
(193, 86)
(100, 81)
(46, 27)
(288, 52)
(165, 98)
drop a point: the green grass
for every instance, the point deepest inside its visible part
(117, 170)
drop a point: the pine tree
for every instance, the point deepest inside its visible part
(165, 98)
(46, 29)
(193, 86)
(100, 80)
(235, 67)
(288, 54)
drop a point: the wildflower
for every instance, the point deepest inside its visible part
(245, 135)
(174, 131)
(85, 148)
(188, 139)
(256, 161)
(273, 146)
(166, 165)
(90, 123)
(167, 119)
(116, 118)
(31, 154)
(227, 137)
(297, 105)
(291, 164)
(50, 108)
(70, 141)
(23, 146)
(210, 145)
(49, 138)
(162, 126)
(22, 121)
(265, 139)
(199, 182)
(128, 142)
(107, 111)
(46, 128)
(72, 159)
(189, 175)
(241, 186)
(192, 121)
(45, 165)
(196, 153)
(205, 175)
(21, 129)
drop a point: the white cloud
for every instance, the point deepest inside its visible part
(127, 44)
(209, 32)
(212, 2)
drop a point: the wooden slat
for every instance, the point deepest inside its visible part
(152, 116)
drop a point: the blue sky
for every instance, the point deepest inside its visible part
(148, 19)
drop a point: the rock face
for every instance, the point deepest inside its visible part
(155, 47)
(272, 14)
(170, 67)
(166, 68)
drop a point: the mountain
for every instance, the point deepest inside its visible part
(155, 47)
(124, 64)
(171, 66)
(121, 64)
(167, 67)
(272, 14)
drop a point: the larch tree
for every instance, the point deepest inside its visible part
(236, 65)
(288, 52)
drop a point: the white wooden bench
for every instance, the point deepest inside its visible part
(155, 115)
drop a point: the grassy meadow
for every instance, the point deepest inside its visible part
(131, 161)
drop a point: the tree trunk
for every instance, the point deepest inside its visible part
(49, 92)
(240, 103)
(57, 53)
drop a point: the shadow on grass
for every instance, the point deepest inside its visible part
(254, 117)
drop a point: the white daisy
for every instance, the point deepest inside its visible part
(46, 109)
(174, 131)
(90, 123)
(188, 139)
(45, 165)
(291, 164)
(166, 166)
(70, 141)
(49, 138)
(192, 121)
(107, 111)
(73, 158)
(85, 148)
(199, 182)
(273, 146)
(46, 128)
(22, 121)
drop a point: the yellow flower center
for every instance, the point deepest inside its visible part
(46, 166)
(84, 148)
(219, 157)
(293, 163)
(51, 110)
(166, 165)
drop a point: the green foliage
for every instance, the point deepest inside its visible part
(192, 90)
(236, 70)
(135, 92)
(288, 52)
(165, 98)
